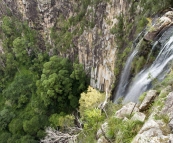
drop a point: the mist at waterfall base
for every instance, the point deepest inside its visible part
(142, 81)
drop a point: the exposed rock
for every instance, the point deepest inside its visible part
(171, 124)
(169, 14)
(95, 47)
(147, 100)
(168, 106)
(157, 131)
(126, 110)
(171, 138)
(160, 24)
(166, 90)
(139, 116)
(102, 130)
(151, 132)
(161, 97)
(102, 140)
(125, 119)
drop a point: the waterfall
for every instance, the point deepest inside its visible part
(122, 86)
(126, 73)
(143, 80)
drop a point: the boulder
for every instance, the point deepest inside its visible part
(168, 106)
(102, 140)
(126, 110)
(160, 24)
(171, 138)
(102, 130)
(169, 14)
(171, 124)
(138, 116)
(151, 94)
(151, 133)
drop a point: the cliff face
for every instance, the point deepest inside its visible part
(95, 47)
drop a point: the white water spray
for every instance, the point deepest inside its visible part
(143, 80)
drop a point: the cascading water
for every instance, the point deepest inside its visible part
(126, 73)
(143, 79)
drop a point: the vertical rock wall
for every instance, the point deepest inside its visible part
(96, 47)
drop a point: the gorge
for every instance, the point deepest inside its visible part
(86, 71)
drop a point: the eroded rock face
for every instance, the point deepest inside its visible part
(95, 48)
(147, 100)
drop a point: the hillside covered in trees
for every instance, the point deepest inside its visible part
(61, 62)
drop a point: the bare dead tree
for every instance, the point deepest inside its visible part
(56, 136)
(104, 103)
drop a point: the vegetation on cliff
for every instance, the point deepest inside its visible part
(40, 89)
(34, 86)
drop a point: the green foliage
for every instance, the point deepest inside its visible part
(91, 99)
(25, 71)
(92, 118)
(168, 80)
(4, 137)
(61, 120)
(60, 85)
(7, 25)
(27, 139)
(20, 50)
(118, 30)
(35, 90)
(122, 131)
(20, 90)
(6, 116)
(16, 126)
(163, 117)
(141, 97)
(31, 126)
(111, 108)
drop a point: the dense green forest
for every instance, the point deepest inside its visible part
(34, 87)
(40, 90)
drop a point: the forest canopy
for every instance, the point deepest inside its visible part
(34, 86)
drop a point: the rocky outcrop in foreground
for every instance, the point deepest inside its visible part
(155, 111)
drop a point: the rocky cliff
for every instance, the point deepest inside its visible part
(100, 35)
(95, 47)
(90, 28)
